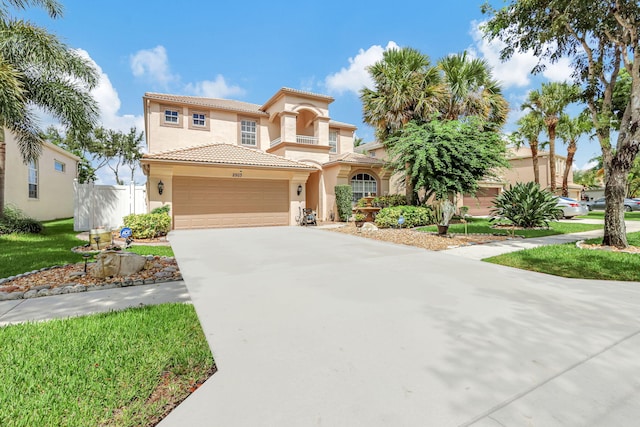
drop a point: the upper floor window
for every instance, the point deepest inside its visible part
(248, 132)
(58, 165)
(199, 119)
(171, 116)
(33, 179)
(333, 141)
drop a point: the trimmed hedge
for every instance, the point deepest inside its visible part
(344, 195)
(148, 226)
(414, 216)
(162, 209)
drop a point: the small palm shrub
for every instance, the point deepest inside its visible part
(15, 221)
(343, 201)
(414, 216)
(147, 226)
(526, 205)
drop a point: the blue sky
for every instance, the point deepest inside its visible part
(248, 50)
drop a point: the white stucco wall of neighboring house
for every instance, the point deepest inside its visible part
(54, 187)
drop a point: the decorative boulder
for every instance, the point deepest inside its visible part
(112, 263)
(369, 226)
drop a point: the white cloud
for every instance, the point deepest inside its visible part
(517, 70)
(109, 102)
(152, 64)
(356, 76)
(217, 88)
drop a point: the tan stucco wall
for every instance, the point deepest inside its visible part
(55, 189)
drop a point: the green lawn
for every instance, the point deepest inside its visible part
(113, 369)
(483, 226)
(628, 216)
(20, 253)
(569, 261)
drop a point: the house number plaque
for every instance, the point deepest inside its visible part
(237, 174)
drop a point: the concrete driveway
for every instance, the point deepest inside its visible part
(313, 328)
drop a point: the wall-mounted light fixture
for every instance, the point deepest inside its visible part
(160, 187)
(299, 190)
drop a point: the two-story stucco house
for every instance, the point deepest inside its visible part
(42, 189)
(226, 163)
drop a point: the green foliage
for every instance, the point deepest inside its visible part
(14, 220)
(390, 201)
(147, 226)
(162, 209)
(344, 194)
(102, 370)
(446, 157)
(414, 216)
(526, 205)
(485, 226)
(359, 217)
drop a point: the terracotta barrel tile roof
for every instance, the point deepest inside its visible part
(355, 158)
(215, 103)
(226, 154)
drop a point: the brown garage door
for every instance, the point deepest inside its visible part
(214, 203)
(482, 202)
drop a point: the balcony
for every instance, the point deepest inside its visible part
(300, 139)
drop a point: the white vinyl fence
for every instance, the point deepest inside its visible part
(105, 205)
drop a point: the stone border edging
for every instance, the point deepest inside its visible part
(73, 288)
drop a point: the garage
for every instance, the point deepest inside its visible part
(217, 202)
(482, 202)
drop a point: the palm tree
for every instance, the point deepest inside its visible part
(37, 70)
(549, 103)
(471, 90)
(406, 87)
(570, 130)
(529, 128)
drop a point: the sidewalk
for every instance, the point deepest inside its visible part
(80, 304)
(487, 250)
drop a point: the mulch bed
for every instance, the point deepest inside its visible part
(429, 241)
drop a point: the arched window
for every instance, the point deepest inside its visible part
(363, 184)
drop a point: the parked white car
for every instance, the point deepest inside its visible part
(571, 207)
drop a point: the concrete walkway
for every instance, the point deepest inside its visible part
(479, 252)
(311, 328)
(80, 304)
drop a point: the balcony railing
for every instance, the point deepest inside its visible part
(300, 139)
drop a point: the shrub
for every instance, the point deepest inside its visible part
(414, 216)
(162, 209)
(526, 205)
(343, 201)
(390, 201)
(15, 221)
(147, 226)
(443, 211)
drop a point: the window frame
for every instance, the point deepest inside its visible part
(192, 119)
(33, 175)
(334, 148)
(57, 162)
(242, 132)
(163, 116)
(357, 195)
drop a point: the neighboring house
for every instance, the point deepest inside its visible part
(521, 170)
(42, 189)
(226, 163)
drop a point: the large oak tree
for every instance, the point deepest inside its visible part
(601, 37)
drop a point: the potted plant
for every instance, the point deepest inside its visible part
(444, 211)
(359, 218)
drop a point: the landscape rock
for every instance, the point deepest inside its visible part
(30, 294)
(44, 292)
(112, 263)
(369, 226)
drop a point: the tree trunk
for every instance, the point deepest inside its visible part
(615, 233)
(552, 157)
(534, 158)
(2, 173)
(571, 151)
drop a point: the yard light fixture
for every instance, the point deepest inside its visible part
(299, 190)
(160, 187)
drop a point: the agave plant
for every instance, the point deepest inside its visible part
(526, 205)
